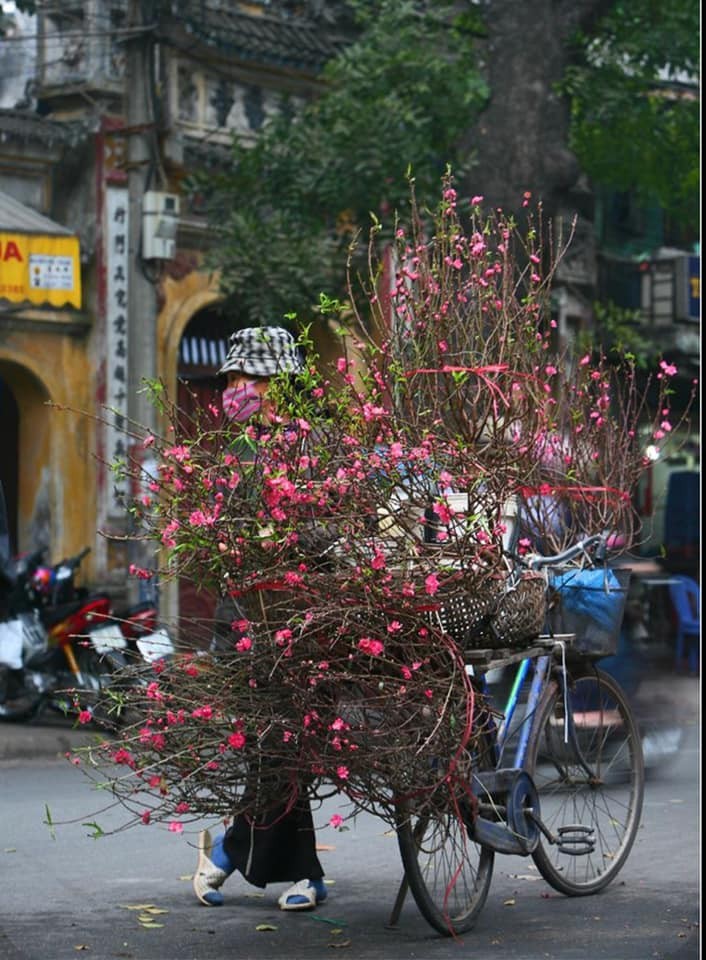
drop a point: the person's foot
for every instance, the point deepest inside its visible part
(303, 895)
(212, 868)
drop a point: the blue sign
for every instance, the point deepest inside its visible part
(693, 301)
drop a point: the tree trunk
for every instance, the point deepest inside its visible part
(521, 140)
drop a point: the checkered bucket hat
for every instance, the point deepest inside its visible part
(262, 352)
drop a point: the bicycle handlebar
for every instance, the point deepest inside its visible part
(537, 561)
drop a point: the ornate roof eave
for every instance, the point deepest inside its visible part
(29, 127)
(296, 44)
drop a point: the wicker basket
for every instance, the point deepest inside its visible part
(505, 614)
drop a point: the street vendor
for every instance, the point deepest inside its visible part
(278, 846)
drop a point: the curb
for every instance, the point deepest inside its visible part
(32, 741)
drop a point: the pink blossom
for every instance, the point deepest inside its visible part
(342, 773)
(371, 646)
(336, 821)
(203, 713)
(243, 645)
(236, 740)
(171, 528)
(124, 756)
(431, 584)
(668, 368)
(180, 453)
(153, 692)
(176, 827)
(85, 716)
(394, 627)
(584, 360)
(476, 200)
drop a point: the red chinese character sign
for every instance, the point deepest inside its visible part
(116, 265)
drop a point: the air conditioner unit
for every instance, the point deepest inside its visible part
(160, 222)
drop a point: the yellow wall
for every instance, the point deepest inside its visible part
(44, 364)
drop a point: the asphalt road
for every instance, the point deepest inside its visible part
(64, 894)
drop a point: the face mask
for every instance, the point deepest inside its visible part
(241, 403)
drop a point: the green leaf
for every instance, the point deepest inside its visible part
(48, 821)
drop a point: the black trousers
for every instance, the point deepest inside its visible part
(279, 847)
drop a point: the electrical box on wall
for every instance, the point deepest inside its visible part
(160, 221)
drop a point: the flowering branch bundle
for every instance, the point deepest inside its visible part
(342, 531)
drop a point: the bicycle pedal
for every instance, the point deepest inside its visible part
(576, 840)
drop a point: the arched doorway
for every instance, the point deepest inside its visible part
(202, 350)
(25, 465)
(9, 462)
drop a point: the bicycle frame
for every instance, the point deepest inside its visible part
(540, 677)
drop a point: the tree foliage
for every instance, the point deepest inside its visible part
(288, 206)
(635, 108)
(403, 95)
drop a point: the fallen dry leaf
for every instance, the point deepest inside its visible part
(155, 910)
(341, 943)
(151, 925)
(509, 903)
(261, 927)
(82, 946)
(136, 906)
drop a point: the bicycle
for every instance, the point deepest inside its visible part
(572, 796)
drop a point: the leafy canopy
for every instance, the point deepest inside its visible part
(289, 205)
(635, 105)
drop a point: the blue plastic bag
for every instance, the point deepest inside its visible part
(596, 594)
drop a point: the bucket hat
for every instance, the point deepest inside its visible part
(262, 352)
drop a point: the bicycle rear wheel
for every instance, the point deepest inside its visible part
(594, 780)
(448, 873)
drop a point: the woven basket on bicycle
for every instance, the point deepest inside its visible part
(507, 612)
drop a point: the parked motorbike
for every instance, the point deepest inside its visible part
(62, 646)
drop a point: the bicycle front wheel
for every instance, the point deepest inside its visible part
(588, 770)
(449, 875)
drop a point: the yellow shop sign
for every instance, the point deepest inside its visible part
(40, 269)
